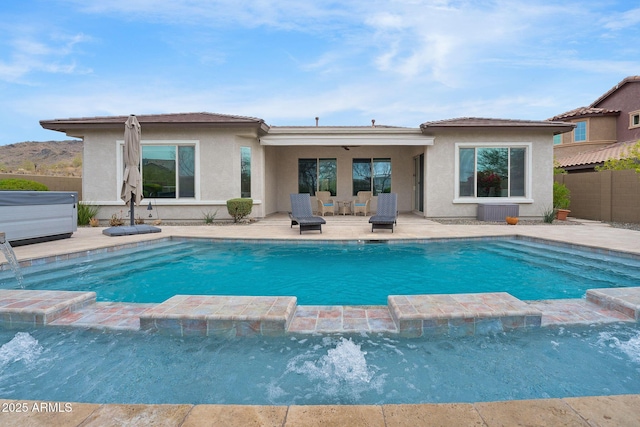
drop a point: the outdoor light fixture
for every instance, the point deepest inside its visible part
(150, 208)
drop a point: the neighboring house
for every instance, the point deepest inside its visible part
(603, 130)
(192, 163)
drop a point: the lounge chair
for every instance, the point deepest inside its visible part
(325, 203)
(301, 213)
(362, 203)
(387, 213)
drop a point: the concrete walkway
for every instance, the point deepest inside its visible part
(588, 411)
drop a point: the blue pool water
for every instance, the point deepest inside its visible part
(335, 273)
(70, 365)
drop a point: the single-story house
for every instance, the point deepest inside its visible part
(192, 163)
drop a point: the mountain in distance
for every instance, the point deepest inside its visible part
(58, 158)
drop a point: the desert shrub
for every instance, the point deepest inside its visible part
(561, 196)
(239, 208)
(86, 211)
(548, 215)
(209, 216)
(22, 184)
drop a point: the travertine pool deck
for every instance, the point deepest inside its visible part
(597, 307)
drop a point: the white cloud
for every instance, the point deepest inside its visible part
(401, 62)
(31, 50)
(619, 21)
(280, 14)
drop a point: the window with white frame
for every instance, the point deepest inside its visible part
(492, 171)
(245, 171)
(168, 171)
(580, 132)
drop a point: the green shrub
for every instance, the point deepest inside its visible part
(86, 211)
(561, 196)
(21, 184)
(239, 208)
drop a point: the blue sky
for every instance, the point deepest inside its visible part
(399, 62)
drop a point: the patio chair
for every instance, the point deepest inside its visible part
(387, 213)
(362, 203)
(302, 215)
(325, 203)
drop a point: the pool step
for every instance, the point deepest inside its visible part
(580, 256)
(461, 314)
(624, 300)
(575, 264)
(101, 263)
(228, 316)
(19, 307)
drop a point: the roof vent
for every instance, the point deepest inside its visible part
(317, 118)
(373, 123)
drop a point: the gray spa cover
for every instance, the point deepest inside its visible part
(30, 198)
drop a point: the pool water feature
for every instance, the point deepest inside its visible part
(52, 364)
(10, 256)
(335, 273)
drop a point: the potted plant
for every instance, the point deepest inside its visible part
(561, 200)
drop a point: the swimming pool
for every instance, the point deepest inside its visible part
(52, 364)
(347, 273)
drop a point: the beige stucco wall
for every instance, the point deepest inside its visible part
(441, 179)
(601, 132)
(217, 164)
(274, 171)
(286, 168)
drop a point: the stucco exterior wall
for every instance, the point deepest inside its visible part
(274, 171)
(217, 165)
(601, 132)
(401, 171)
(625, 99)
(441, 179)
(602, 129)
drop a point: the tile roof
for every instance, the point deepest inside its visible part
(486, 122)
(205, 118)
(595, 157)
(585, 112)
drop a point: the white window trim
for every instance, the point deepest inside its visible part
(163, 201)
(528, 178)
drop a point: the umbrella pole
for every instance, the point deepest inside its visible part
(132, 203)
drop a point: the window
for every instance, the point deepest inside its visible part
(371, 175)
(557, 139)
(245, 172)
(580, 132)
(168, 171)
(634, 119)
(317, 175)
(492, 171)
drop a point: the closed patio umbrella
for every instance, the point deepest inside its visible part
(131, 191)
